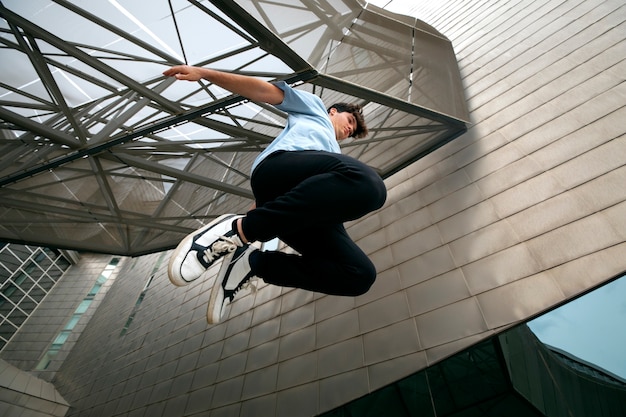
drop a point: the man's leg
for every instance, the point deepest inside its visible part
(304, 198)
(301, 191)
(330, 263)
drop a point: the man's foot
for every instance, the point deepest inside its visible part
(234, 275)
(200, 249)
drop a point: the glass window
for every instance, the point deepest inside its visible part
(83, 306)
(25, 281)
(64, 334)
(73, 322)
(61, 338)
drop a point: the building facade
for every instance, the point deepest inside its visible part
(523, 212)
(27, 275)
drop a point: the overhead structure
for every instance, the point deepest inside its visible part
(99, 152)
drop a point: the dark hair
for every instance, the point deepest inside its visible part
(357, 112)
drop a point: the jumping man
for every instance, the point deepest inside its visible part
(304, 191)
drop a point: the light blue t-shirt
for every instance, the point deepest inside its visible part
(308, 125)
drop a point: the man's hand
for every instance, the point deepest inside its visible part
(185, 72)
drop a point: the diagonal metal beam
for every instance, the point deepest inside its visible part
(67, 68)
(81, 215)
(71, 50)
(148, 130)
(38, 128)
(109, 197)
(267, 39)
(39, 63)
(30, 106)
(181, 175)
(121, 33)
(49, 105)
(12, 155)
(119, 119)
(328, 81)
(36, 200)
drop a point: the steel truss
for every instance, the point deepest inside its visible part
(99, 152)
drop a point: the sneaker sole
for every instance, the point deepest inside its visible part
(216, 300)
(217, 292)
(180, 253)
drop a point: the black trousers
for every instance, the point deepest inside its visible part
(303, 198)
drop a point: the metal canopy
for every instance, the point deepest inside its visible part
(99, 152)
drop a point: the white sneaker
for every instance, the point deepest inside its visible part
(200, 249)
(235, 274)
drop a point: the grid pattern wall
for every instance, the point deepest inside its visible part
(27, 274)
(520, 214)
(40, 332)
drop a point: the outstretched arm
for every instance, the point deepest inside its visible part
(252, 88)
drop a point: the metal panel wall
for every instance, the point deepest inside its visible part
(523, 212)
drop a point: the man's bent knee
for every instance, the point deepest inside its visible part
(362, 281)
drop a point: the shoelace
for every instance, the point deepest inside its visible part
(221, 247)
(250, 283)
